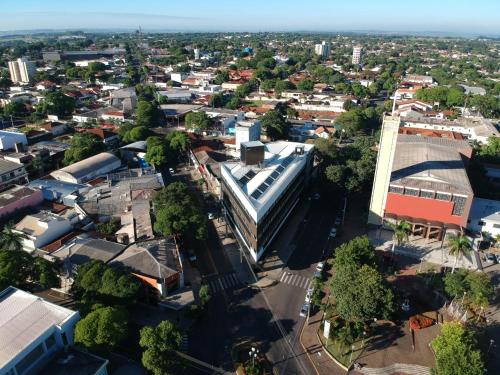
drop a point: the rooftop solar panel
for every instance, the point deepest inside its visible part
(256, 194)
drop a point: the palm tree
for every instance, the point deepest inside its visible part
(458, 246)
(10, 240)
(401, 232)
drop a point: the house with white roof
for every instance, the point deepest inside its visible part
(32, 331)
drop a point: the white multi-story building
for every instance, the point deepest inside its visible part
(247, 131)
(21, 70)
(32, 331)
(356, 54)
(484, 217)
(322, 49)
(261, 190)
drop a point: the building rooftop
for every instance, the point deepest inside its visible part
(83, 250)
(430, 163)
(258, 186)
(74, 362)
(485, 209)
(32, 224)
(8, 166)
(23, 318)
(482, 127)
(86, 166)
(14, 194)
(158, 259)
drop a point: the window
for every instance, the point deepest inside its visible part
(427, 194)
(64, 339)
(50, 342)
(443, 196)
(12, 174)
(412, 192)
(30, 359)
(396, 189)
(459, 206)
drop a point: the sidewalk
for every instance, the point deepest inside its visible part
(323, 364)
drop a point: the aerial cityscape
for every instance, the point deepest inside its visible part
(268, 188)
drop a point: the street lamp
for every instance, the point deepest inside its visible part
(489, 347)
(253, 354)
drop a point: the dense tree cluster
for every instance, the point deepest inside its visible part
(83, 145)
(360, 291)
(178, 213)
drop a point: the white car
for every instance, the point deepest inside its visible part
(338, 220)
(333, 232)
(309, 294)
(171, 170)
(211, 216)
(320, 266)
(304, 310)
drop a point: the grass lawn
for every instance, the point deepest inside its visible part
(341, 352)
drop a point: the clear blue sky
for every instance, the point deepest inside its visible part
(463, 16)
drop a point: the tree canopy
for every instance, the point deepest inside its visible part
(56, 103)
(275, 125)
(83, 145)
(197, 121)
(147, 114)
(102, 329)
(456, 351)
(159, 344)
(476, 285)
(177, 212)
(97, 282)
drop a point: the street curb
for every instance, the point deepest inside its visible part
(346, 369)
(307, 351)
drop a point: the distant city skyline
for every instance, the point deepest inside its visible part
(447, 16)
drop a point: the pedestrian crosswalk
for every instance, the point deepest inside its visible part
(295, 280)
(223, 282)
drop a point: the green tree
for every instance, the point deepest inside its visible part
(204, 295)
(15, 109)
(147, 114)
(56, 103)
(45, 273)
(221, 77)
(178, 141)
(401, 233)
(10, 240)
(305, 85)
(102, 329)
(83, 145)
(361, 294)
(134, 133)
(198, 121)
(159, 344)
(456, 352)
(458, 246)
(491, 151)
(98, 282)
(15, 268)
(358, 251)
(479, 287)
(108, 228)
(455, 284)
(177, 212)
(274, 125)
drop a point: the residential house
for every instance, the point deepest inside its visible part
(12, 173)
(17, 199)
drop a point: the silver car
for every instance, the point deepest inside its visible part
(304, 310)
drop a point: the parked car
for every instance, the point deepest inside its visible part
(491, 258)
(317, 273)
(192, 255)
(320, 266)
(333, 232)
(304, 310)
(338, 220)
(171, 170)
(211, 216)
(498, 258)
(309, 294)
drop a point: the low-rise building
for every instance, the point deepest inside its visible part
(485, 217)
(12, 173)
(261, 191)
(247, 131)
(156, 263)
(88, 169)
(32, 331)
(9, 140)
(18, 198)
(42, 228)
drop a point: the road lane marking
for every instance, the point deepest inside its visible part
(213, 286)
(304, 283)
(221, 286)
(282, 276)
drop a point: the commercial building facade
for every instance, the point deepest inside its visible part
(356, 55)
(260, 191)
(323, 49)
(421, 180)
